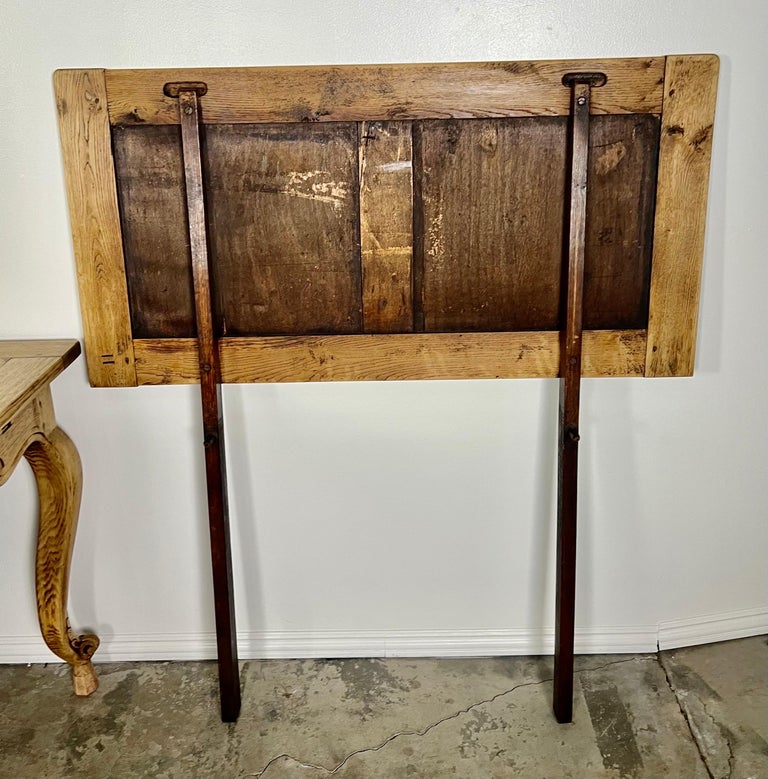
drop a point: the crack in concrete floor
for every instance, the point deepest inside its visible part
(684, 714)
(696, 736)
(731, 757)
(698, 711)
(432, 726)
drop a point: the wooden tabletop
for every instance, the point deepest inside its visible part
(26, 366)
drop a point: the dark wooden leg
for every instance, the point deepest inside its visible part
(210, 389)
(221, 558)
(570, 389)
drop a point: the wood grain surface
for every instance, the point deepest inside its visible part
(382, 92)
(690, 92)
(491, 200)
(408, 357)
(283, 224)
(386, 226)
(18, 430)
(28, 428)
(81, 102)
(27, 366)
(265, 241)
(150, 185)
(56, 465)
(623, 158)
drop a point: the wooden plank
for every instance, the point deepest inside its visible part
(386, 226)
(381, 92)
(623, 152)
(25, 369)
(81, 101)
(690, 91)
(408, 357)
(150, 185)
(282, 204)
(489, 223)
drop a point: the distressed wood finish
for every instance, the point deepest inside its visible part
(489, 253)
(392, 357)
(282, 206)
(690, 92)
(28, 429)
(381, 92)
(386, 226)
(213, 423)
(288, 94)
(623, 154)
(81, 102)
(150, 184)
(490, 244)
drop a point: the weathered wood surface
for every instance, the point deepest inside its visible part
(81, 102)
(283, 223)
(616, 288)
(491, 223)
(620, 211)
(382, 92)
(690, 92)
(391, 357)
(282, 210)
(386, 226)
(150, 184)
(489, 256)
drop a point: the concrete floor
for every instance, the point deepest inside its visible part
(698, 712)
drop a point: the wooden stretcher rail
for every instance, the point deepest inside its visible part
(377, 92)
(390, 357)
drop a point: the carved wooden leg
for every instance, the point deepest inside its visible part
(56, 465)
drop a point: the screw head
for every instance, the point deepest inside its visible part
(581, 100)
(188, 109)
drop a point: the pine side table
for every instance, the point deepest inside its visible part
(28, 429)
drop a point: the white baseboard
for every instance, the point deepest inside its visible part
(405, 643)
(343, 643)
(710, 628)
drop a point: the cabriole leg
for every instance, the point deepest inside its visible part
(58, 473)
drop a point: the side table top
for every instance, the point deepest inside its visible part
(26, 366)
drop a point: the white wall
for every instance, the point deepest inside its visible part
(418, 515)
